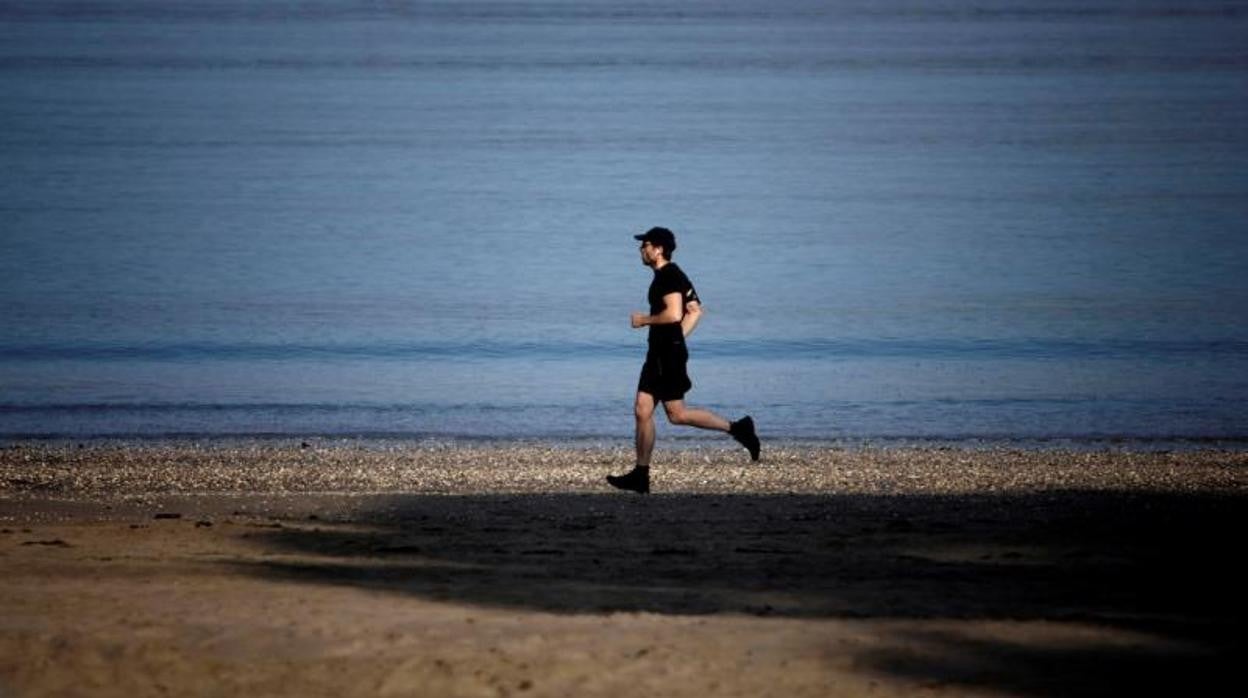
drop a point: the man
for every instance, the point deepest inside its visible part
(674, 312)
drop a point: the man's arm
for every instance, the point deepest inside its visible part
(669, 316)
(693, 313)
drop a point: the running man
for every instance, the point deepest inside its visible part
(674, 313)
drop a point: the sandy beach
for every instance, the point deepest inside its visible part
(338, 569)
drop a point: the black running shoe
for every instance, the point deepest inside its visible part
(637, 480)
(743, 431)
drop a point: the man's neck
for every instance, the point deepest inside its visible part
(659, 264)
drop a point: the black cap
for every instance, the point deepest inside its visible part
(661, 237)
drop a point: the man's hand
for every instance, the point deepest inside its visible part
(638, 320)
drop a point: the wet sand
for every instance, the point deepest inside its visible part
(343, 569)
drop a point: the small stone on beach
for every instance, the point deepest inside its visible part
(57, 543)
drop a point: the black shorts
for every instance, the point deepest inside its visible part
(664, 374)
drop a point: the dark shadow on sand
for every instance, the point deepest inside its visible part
(1161, 564)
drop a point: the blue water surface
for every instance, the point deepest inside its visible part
(961, 219)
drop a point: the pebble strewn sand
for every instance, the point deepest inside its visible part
(266, 568)
(121, 470)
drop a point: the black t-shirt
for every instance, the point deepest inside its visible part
(669, 279)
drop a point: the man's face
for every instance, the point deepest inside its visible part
(650, 254)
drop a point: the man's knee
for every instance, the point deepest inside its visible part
(643, 409)
(675, 413)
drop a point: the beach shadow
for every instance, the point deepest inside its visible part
(1159, 565)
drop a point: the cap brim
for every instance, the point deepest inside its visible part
(639, 237)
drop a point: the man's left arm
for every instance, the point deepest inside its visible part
(693, 313)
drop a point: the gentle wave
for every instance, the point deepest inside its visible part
(979, 349)
(715, 63)
(356, 10)
(846, 406)
(1026, 423)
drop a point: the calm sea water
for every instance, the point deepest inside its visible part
(936, 220)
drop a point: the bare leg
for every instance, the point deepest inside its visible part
(643, 410)
(678, 413)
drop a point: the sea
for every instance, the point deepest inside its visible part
(919, 221)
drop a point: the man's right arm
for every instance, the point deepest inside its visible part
(669, 316)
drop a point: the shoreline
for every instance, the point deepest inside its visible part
(122, 470)
(280, 570)
(677, 449)
(672, 437)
